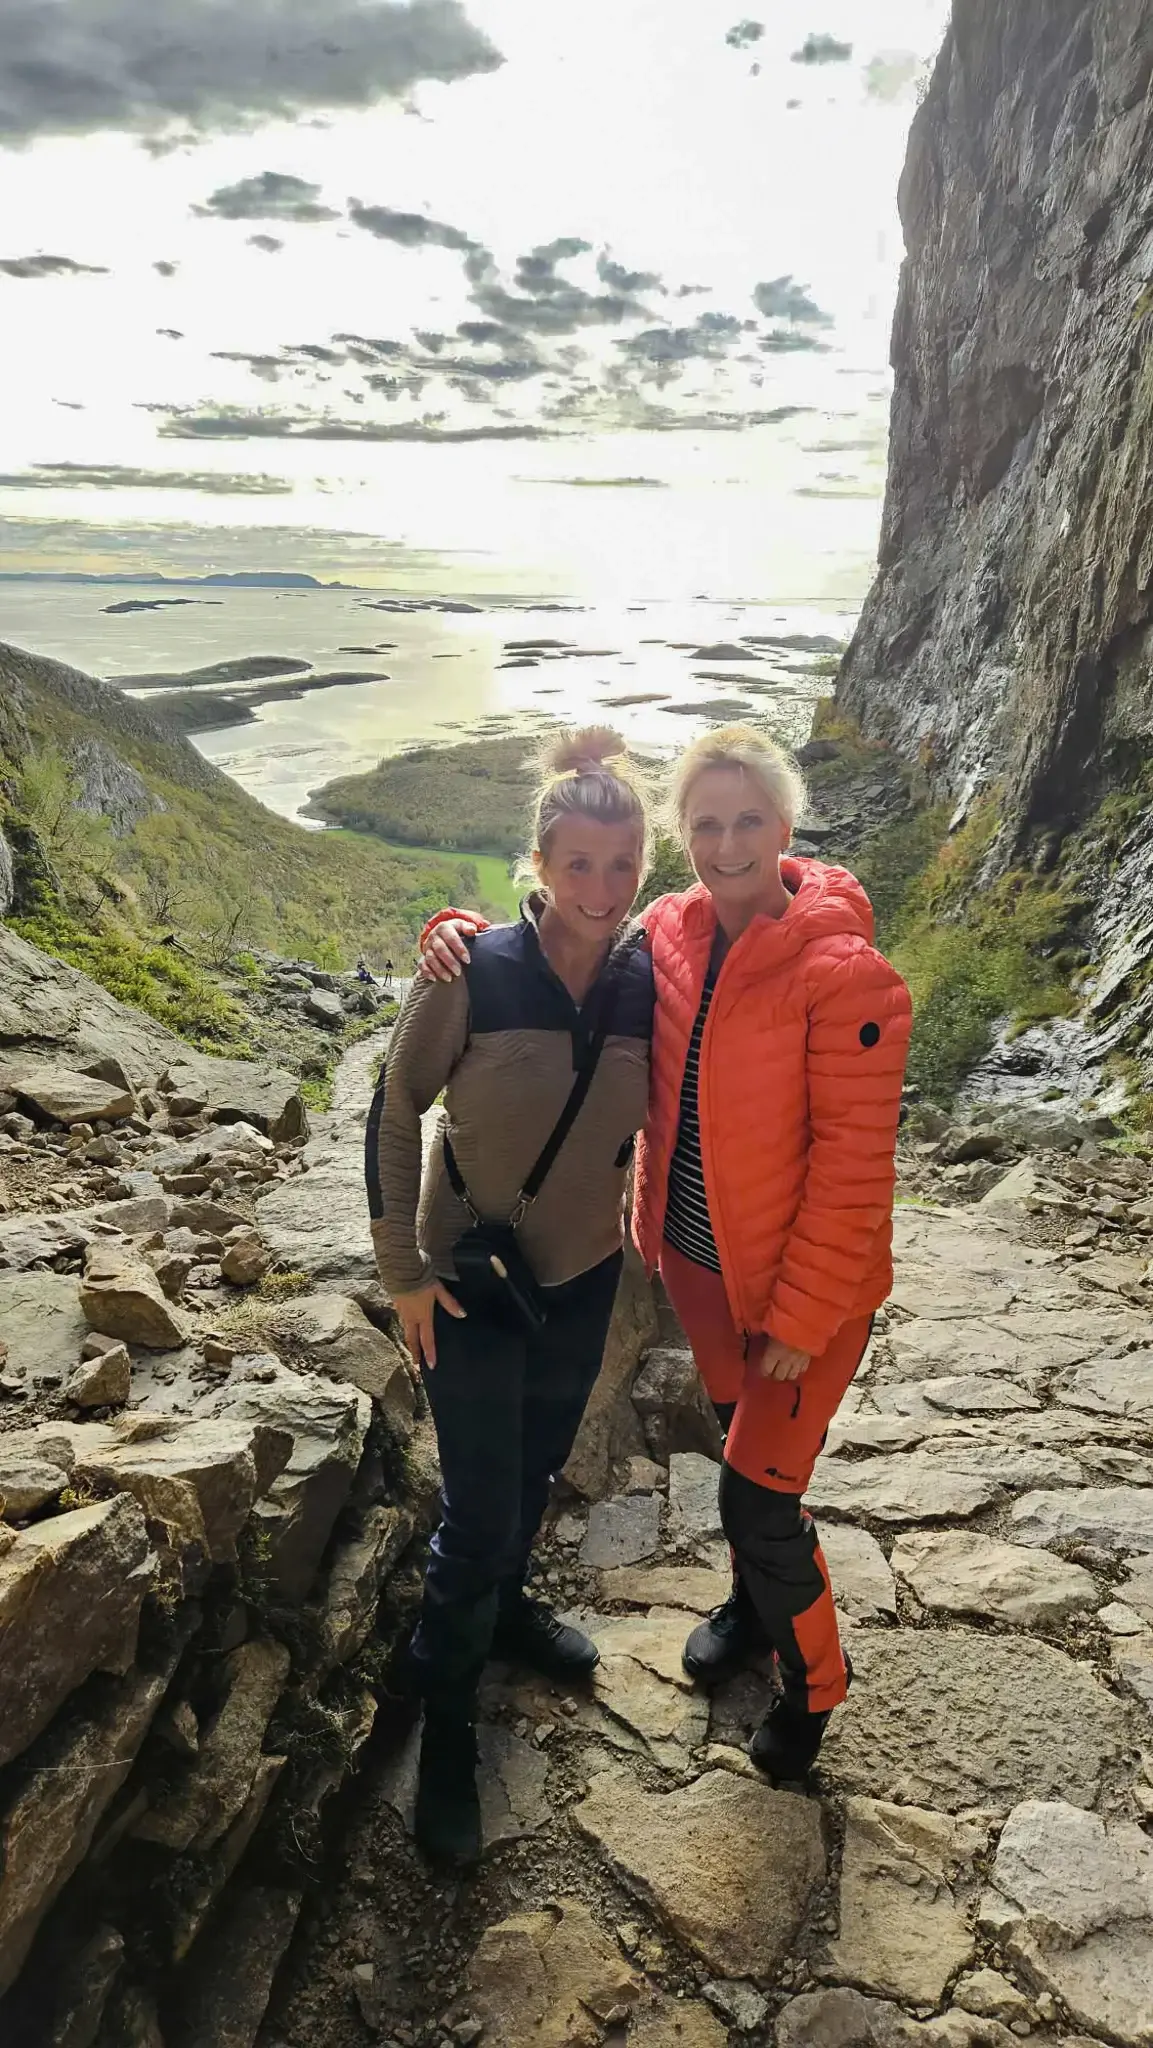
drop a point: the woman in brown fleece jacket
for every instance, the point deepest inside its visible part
(504, 1041)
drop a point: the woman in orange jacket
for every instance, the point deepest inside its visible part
(764, 1191)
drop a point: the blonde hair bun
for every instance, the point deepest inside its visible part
(587, 752)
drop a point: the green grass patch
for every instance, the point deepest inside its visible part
(154, 978)
(473, 798)
(976, 952)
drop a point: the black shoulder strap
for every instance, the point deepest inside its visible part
(587, 1066)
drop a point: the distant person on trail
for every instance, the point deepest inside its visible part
(364, 972)
(764, 1190)
(388, 973)
(503, 1258)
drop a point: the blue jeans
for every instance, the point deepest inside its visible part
(507, 1405)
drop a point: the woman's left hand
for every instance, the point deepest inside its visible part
(780, 1362)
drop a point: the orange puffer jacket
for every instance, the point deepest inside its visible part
(801, 1066)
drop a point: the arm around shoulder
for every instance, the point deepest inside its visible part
(427, 1041)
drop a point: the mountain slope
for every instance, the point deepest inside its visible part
(208, 859)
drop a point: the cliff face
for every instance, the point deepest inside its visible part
(1009, 634)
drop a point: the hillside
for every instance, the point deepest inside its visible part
(115, 834)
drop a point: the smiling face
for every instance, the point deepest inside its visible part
(735, 837)
(592, 873)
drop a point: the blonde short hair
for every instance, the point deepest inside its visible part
(739, 746)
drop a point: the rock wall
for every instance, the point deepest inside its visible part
(1008, 635)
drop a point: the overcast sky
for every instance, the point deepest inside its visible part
(227, 228)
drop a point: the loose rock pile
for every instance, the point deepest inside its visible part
(211, 1483)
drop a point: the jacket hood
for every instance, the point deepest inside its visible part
(827, 902)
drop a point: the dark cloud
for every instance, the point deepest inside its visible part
(822, 49)
(785, 341)
(691, 291)
(368, 348)
(660, 353)
(744, 33)
(273, 195)
(267, 368)
(113, 476)
(481, 331)
(49, 266)
(545, 304)
(782, 298)
(410, 230)
(536, 271)
(269, 243)
(434, 343)
(166, 269)
(171, 333)
(181, 425)
(74, 66)
(619, 279)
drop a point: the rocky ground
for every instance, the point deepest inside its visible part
(973, 1862)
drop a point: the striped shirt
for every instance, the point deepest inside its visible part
(688, 1226)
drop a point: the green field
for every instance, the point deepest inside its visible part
(496, 885)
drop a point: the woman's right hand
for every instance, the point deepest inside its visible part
(416, 1314)
(447, 949)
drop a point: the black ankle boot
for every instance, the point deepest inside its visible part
(528, 1632)
(447, 1821)
(726, 1641)
(788, 1741)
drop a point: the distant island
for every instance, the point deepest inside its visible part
(238, 579)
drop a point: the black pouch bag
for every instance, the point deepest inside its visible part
(494, 1276)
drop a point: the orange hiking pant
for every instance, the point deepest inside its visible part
(775, 1430)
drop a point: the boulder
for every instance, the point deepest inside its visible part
(27, 1484)
(676, 1413)
(58, 1014)
(623, 1531)
(861, 1580)
(70, 1596)
(102, 1382)
(328, 1423)
(610, 1431)
(1114, 1518)
(729, 1864)
(121, 1296)
(544, 1980)
(962, 1719)
(43, 1323)
(325, 1008)
(218, 1780)
(694, 1512)
(847, 2019)
(196, 1478)
(907, 1889)
(909, 1488)
(241, 1091)
(67, 1097)
(1073, 1907)
(954, 1572)
(356, 1579)
(47, 1829)
(338, 1338)
(245, 1259)
(230, 1982)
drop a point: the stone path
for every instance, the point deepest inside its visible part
(975, 1865)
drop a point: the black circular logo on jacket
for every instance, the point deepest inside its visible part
(869, 1034)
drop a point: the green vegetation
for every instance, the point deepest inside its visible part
(972, 951)
(491, 882)
(199, 881)
(473, 798)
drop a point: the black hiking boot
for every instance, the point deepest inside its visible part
(447, 1820)
(726, 1641)
(530, 1633)
(788, 1741)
